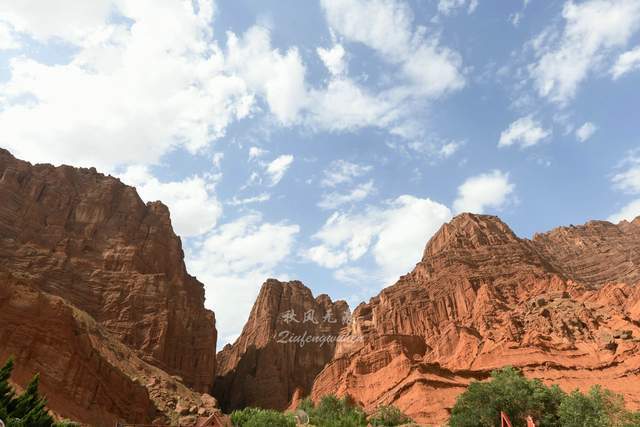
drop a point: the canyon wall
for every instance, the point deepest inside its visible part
(280, 352)
(562, 306)
(76, 244)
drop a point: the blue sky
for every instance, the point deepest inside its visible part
(327, 140)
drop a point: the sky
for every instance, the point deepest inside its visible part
(327, 140)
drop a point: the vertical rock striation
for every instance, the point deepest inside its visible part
(278, 354)
(90, 241)
(562, 306)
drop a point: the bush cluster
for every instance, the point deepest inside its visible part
(255, 417)
(329, 412)
(509, 391)
(27, 409)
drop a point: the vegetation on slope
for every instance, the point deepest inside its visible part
(509, 391)
(26, 410)
(329, 412)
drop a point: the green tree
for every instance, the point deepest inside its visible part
(598, 408)
(334, 412)
(255, 417)
(6, 391)
(388, 416)
(508, 391)
(28, 409)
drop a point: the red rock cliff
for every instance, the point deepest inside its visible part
(90, 241)
(277, 356)
(561, 306)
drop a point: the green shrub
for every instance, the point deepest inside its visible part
(334, 412)
(255, 417)
(511, 392)
(388, 416)
(598, 408)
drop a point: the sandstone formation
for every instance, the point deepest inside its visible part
(280, 351)
(95, 295)
(562, 306)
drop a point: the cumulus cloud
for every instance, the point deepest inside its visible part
(386, 27)
(192, 202)
(71, 20)
(627, 62)
(525, 132)
(233, 261)
(278, 167)
(129, 94)
(343, 105)
(279, 77)
(592, 29)
(358, 193)
(586, 131)
(488, 190)
(394, 234)
(334, 59)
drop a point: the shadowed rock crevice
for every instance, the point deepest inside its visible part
(262, 368)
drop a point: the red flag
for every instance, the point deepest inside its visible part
(505, 422)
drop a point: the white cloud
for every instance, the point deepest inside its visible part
(334, 59)
(449, 149)
(129, 94)
(278, 167)
(515, 18)
(7, 37)
(627, 62)
(192, 203)
(233, 261)
(448, 6)
(488, 190)
(356, 194)
(280, 78)
(629, 180)
(629, 212)
(70, 20)
(326, 257)
(343, 172)
(592, 29)
(216, 159)
(255, 152)
(586, 131)
(394, 234)
(344, 105)
(386, 26)
(235, 201)
(525, 132)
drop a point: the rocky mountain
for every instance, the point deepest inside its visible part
(287, 341)
(95, 296)
(561, 306)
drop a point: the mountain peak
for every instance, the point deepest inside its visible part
(469, 231)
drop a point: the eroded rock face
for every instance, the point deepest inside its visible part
(89, 240)
(281, 348)
(482, 298)
(46, 335)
